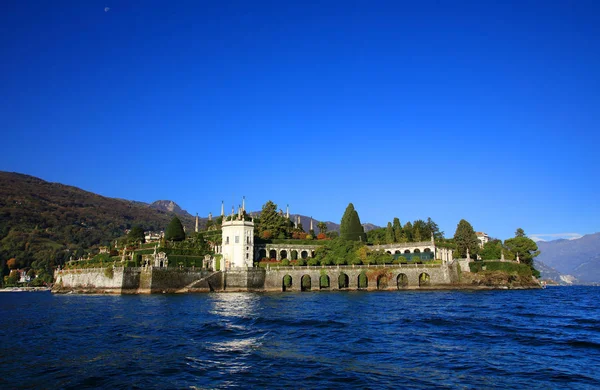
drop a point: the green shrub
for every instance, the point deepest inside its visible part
(287, 281)
(312, 261)
(301, 262)
(363, 281)
(285, 262)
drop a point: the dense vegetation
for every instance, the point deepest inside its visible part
(416, 231)
(44, 224)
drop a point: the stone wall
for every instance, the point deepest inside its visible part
(137, 280)
(378, 277)
(92, 280)
(175, 280)
(246, 279)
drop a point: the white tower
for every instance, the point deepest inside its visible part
(238, 242)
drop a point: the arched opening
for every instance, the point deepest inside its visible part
(283, 254)
(397, 252)
(426, 250)
(424, 279)
(343, 281)
(402, 281)
(294, 255)
(417, 250)
(262, 254)
(286, 283)
(312, 253)
(363, 281)
(305, 283)
(388, 252)
(272, 254)
(304, 254)
(407, 251)
(324, 282)
(382, 282)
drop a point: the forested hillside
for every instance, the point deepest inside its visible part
(43, 224)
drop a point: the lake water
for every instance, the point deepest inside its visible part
(485, 339)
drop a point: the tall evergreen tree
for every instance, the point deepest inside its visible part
(408, 231)
(397, 230)
(350, 226)
(136, 234)
(272, 221)
(174, 231)
(464, 238)
(389, 234)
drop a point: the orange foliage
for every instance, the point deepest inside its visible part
(267, 234)
(11, 263)
(321, 236)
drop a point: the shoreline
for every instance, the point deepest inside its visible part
(25, 289)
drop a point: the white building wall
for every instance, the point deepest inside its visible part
(238, 244)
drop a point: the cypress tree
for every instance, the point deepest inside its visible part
(350, 226)
(175, 231)
(397, 230)
(389, 234)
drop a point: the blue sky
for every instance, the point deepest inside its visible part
(486, 111)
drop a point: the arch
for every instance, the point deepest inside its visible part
(262, 254)
(272, 254)
(324, 282)
(417, 250)
(407, 251)
(282, 254)
(294, 255)
(382, 282)
(343, 281)
(424, 279)
(388, 252)
(363, 281)
(286, 282)
(397, 252)
(304, 254)
(402, 281)
(426, 250)
(312, 253)
(305, 283)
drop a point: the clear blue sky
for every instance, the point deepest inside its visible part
(487, 111)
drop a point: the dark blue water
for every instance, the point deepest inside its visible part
(489, 339)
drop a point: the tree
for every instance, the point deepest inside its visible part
(389, 234)
(350, 226)
(524, 246)
(272, 221)
(174, 231)
(464, 238)
(11, 263)
(322, 227)
(397, 230)
(136, 234)
(408, 232)
(492, 250)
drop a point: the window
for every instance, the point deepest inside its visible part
(227, 241)
(237, 239)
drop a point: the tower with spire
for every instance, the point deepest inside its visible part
(196, 229)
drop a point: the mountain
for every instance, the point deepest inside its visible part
(549, 273)
(169, 206)
(41, 220)
(331, 226)
(579, 258)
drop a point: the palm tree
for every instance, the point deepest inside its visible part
(322, 227)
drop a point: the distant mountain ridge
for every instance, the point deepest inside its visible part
(579, 258)
(170, 207)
